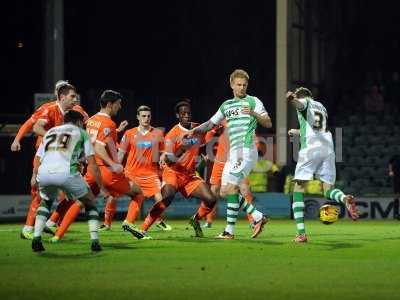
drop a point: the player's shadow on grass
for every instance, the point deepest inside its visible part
(119, 246)
(189, 239)
(83, 255)
(131, 246)
(335, 234)
(378, 239)
(335, 245)
(207, 240)
(249, 242)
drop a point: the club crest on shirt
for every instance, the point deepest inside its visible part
(106, 131)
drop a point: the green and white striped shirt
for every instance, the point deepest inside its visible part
(313, 120)
(61, 149)
(240, 127)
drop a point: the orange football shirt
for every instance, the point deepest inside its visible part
(102, 129)
(188, 160)
(143, 151)
(53, 115)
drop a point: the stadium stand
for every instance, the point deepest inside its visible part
(368, 140)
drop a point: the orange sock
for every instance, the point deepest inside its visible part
(109, 211)
(154, 213)
(249, 198)
(211, 216)
(64, 209)
(55, 216)
(35, 202)
(203, 211)
(134, 208)
(69, 218)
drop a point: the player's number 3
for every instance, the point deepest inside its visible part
(318, 120)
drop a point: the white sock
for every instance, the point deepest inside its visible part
(50, 223)
(27, 228)
(232, 211)
(93, 223)
(93, 227)
(40, 222)
(250, 209)
(257, 215)
(230, 228)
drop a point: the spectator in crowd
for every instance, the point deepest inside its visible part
(373, 101)
(394, 173)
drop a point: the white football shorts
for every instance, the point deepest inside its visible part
(239, 165)
(318, 161)
(74, 186)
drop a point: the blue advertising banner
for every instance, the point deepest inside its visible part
(272, 204)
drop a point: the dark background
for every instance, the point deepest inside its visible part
(160, 51)
(156, 52)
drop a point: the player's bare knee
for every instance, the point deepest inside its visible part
(215, 189)
(299, 185)
(326, 187)
(135, 189)
(87, 199)
(158, 197)
(209, 199)
(231, 189)
(223, 191)
(168, 191)
(244, 190)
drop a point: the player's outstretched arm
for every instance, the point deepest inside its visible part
(38, 128)
(294, 132)
(121, 156)
(101, 151)
(203, 128)
(23, 130)
(123, 148)
(122, 126)
(96, 173)
(263, 119)
(36, 164)
(292, 98)
(167, 158)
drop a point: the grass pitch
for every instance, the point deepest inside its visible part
(347, 260)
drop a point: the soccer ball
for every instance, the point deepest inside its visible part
(328, 214)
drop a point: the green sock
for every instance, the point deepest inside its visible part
(335, 194)
(298, 211)
(250, 209)
(42, 214)
(232, 211)
(93, 223)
